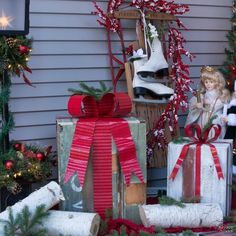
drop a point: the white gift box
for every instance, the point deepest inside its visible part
(212, 189)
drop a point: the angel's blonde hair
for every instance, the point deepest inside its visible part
(210, 73)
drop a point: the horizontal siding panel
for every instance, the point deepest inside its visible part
(78, 34)
(202, 47)
(66, 75)
(206, 59)
(206, 2)
(34, 132)
(38, 118)
(206, 36)
(70, 48)
(42, 90)
(96, 61)
(68, 61)
(67, 7)
(80, 47)
(63, 20)
(82, 7)
(52, 20)
(209, 12)
(68, 35)
(38, 104)
(191, 2)
(206, 24)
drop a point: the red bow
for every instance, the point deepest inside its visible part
(199, 140)
(95, 128)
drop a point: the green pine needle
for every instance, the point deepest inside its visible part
(97, 93)
(188, 233)
(24, 223)
(180, 140)
(165, 200)
(208, 124)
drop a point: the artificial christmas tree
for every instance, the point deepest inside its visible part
(229, 66)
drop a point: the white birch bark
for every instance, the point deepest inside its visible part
(192, 215)
(71, 223)
(49, 195)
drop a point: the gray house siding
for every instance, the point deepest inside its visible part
(70, 46)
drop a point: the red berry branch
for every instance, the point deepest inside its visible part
(176, 50)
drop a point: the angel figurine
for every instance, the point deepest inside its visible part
(207, 108)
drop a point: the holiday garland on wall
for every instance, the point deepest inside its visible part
(18, 162)
(24, 163)
(14, 58)
(175, 51)
(15, 53)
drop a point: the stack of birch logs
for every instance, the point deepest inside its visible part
(58, 222)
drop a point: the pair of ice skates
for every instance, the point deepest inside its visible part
(144, 82)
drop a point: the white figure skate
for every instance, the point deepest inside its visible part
(141, 87)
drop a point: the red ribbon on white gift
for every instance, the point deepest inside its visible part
(98, 122)
(198, 140)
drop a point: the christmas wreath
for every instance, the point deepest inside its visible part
(15, 53)
(175, 51)
(24, 163)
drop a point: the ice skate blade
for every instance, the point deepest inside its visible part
(141, 99)
(160, 73)
(144, 91)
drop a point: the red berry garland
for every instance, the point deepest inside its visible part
(180, 71)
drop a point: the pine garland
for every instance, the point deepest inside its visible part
(14, 58)
(15, 53)
(24, 163)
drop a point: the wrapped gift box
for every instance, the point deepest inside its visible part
(125, 198)
(212, 189)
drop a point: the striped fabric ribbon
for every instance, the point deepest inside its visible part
(98, 122)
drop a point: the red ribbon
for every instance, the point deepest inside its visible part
(95, 127)
(199, 139)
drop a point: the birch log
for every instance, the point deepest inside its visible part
(69, 223)
(49, 195)
(192, 215)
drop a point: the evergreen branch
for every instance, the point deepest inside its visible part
(39, 215)
(188, 233)
(24, 223)
(180, 140)
(165, 200)
(11, 225)
(97, 93)
(208, 124)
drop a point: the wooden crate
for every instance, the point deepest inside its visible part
(125, 199)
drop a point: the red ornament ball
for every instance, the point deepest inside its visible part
(23, 49)
(17, 146)
(39, 156)
(9, 165)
